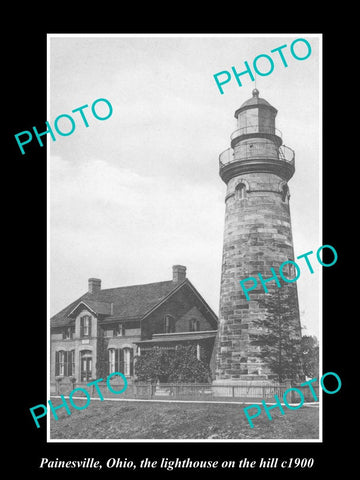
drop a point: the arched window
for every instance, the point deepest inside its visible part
(240, 191)
(169, 324)
(86, 365)
(194, 325)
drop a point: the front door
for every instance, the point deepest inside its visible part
(86, 366)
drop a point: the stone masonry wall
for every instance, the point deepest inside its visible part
(257, 236)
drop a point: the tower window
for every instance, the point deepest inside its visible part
(285, 193)
(240, 191)
(291, 269)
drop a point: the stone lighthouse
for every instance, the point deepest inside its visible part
(257, 236)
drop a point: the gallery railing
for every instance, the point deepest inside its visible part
(264, 150)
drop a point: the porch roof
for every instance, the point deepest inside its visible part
(177, 337)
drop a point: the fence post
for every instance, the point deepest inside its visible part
(287, 385)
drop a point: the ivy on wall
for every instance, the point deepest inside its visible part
(179, 365)
(102, 364)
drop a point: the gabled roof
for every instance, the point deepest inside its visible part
(99, 308)
(134, 302)
(131, 302)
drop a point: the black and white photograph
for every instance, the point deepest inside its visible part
(170, 185)
(186, 273)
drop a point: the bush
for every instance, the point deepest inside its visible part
(175, 366)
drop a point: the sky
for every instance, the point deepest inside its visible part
(132, 195)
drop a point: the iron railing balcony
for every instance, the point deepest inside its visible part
(257, 151)
(253, 158)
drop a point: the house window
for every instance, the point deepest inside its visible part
(120, 330)
(68, 333)
(65, 363)
(121, 360)
(85, 326)
(111, 360)
(86, 365)
(72, 363)
(240, 191)
(169, 324)
(194, 325)
(127, 360)
(61, 363)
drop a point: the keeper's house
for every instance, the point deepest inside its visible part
(103, 330)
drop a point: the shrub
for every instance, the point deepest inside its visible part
(176, 366)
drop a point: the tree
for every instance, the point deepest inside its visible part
(278, 334)
(310, 356)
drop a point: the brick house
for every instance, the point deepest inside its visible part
(103, 330)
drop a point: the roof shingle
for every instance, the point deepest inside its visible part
(128, 302)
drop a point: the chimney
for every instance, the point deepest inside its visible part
(179, 273)
(94, 285)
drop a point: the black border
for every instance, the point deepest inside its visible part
(27, 84)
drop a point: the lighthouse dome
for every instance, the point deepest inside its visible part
(253, 102)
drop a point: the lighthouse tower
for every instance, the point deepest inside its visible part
(257, 236)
